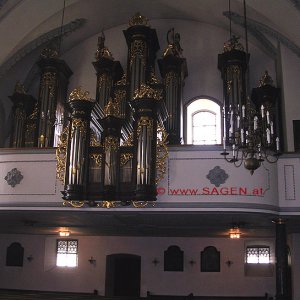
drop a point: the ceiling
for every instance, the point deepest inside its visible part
(139, 223)
(25, 24)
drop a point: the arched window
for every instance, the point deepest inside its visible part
(203, 122)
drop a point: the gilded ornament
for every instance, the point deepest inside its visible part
(34, 114)
(153, 78)
(120, 95)
(229, 87)
(123, 80)
(266, 80)
(108, 204)
(103, 80)
(233, 44)
(49, 78)
(112, 109)
(61, 155)
(111, 143)
(146, 91)
(49, 53)
(79, 94)
(94, 141)
(19, 88)
(162, 152)
(138, 19)
(140, 204)
(144, 121)
(129, 141)
(138, 49)
(76, 204)
(97, 158)
(125, 158)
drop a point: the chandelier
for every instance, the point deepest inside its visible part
(251, 126)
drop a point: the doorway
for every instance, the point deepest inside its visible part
(123, 275)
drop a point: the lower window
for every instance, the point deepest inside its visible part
(258, 255)
(67, 253)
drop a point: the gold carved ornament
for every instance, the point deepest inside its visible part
(123, 80)
(233, 44)
(145, 91)
(49, 78)
(138, 49)
(76, 204)
(112, 108)
(49, 53)
(144, 121)
(266, 80)
(94, 142)
(108, 204)
(111, 143)
(61, 155)
(142, 204)
(125, 157)
(138, 19)
(103, 80)
(120, 96)
(78, 123)
(79, 94)
(153, 78)
(19, 88)
(162, 153)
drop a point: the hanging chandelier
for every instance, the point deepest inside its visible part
(251, 127)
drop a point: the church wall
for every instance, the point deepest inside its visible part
(42, 274)
(291, 90)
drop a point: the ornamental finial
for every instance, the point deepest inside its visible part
(266, 79)
(233, 44)
(19, 88)
(138, 19)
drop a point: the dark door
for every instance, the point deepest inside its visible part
(123, 275)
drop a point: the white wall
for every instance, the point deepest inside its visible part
(290, 64)
(42, 274)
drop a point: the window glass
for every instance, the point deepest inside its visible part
(258, 255)
(67, 253)
(203, 122)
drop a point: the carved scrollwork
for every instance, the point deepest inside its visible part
(79, 94)
(162, 153)
(146, 91)
(138, 49)
(61, 155)
(76, 204)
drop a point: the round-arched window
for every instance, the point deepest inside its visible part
(203, 122)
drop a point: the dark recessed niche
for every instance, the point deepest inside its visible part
(173, 259)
